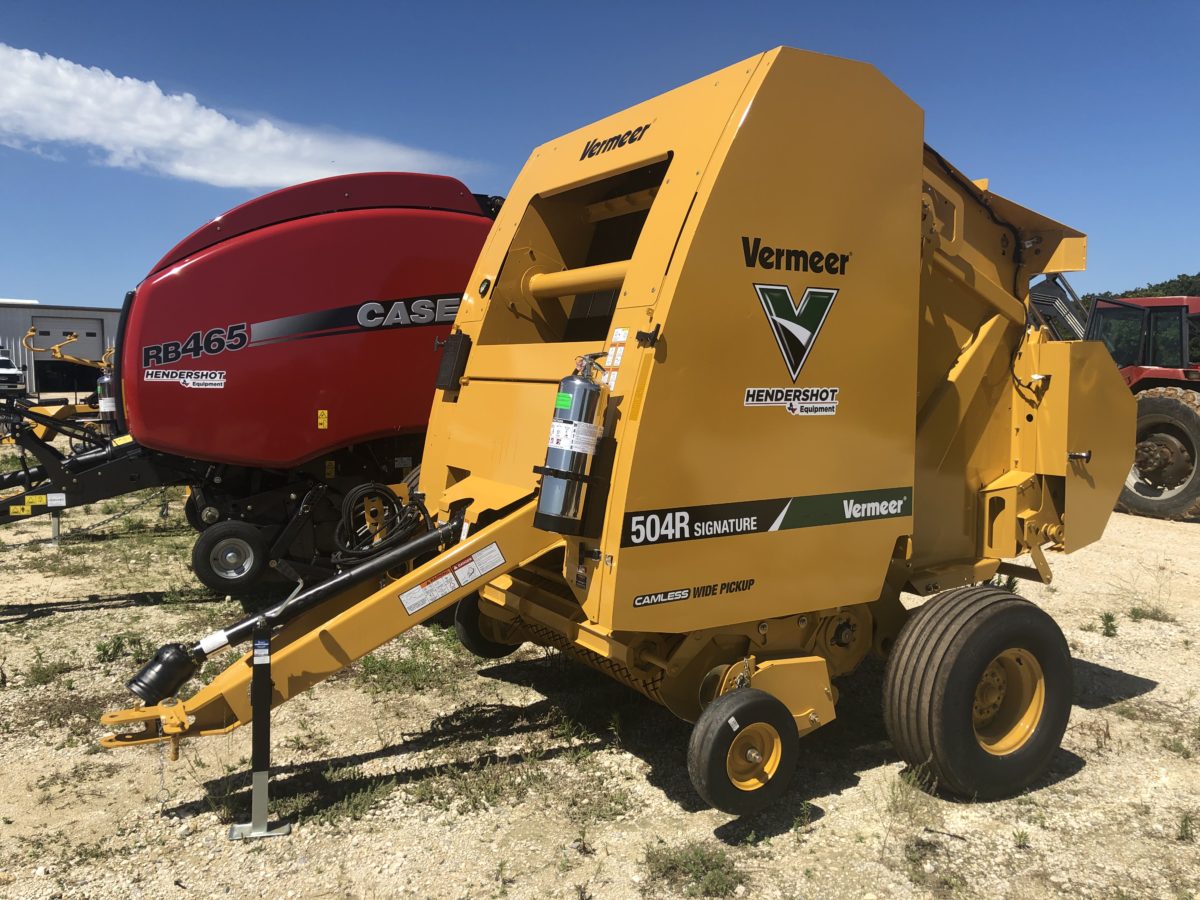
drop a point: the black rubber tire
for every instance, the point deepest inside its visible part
(471, 636)
(929, 688)
(1181, 407)
(246, 575)
(192, 514)
(714, 733)
(413, 478)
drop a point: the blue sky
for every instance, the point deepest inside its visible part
(1085, 111)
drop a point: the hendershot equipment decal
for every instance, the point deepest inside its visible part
(796, 327)
(189, 378)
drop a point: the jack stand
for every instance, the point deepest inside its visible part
(260, 752)
(56, 527)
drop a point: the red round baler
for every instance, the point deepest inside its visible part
(293, 292)
(280, 361)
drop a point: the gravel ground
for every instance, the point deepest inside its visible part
(422, 772)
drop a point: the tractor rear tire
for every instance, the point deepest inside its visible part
(470, 632)
(743, 751)
(230, 557)
(977, 692)
(1169, 415)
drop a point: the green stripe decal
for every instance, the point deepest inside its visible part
(855, 506)
(690, 523)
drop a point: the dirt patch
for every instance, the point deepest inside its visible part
(424, 772)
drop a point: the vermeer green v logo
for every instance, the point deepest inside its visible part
(796, 325)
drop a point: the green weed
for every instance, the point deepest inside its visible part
(42, 671)
(1154, 613)
(694, 869)
(429, 660)
(486, 784)
(1005, 583)
(124, 644)
(1186, 831)
(908, 797)
(1177, 746)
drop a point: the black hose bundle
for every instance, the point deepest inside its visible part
(357, 534)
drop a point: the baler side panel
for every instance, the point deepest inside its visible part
(508, 387)
(782, 484)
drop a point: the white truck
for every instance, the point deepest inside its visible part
(12, 377)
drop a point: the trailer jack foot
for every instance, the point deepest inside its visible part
(258, 827)
(260, 752)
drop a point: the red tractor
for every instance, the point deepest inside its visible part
(1156, 343)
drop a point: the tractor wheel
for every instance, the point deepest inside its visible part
(469, 627)
(977, 692)
(743, 751)
(230, 557)
(1165, 479)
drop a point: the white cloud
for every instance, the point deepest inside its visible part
(45, 100)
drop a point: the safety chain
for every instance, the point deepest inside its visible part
(74, 535)
(163, 794)
(743, 677)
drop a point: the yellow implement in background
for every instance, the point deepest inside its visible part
(43, 431)
(55, 351)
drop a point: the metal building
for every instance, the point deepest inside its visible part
(96, 328)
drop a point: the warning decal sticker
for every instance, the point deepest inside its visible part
(459, 575)
(578, 437)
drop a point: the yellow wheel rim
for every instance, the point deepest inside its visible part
(753, 757)
(1009, 699)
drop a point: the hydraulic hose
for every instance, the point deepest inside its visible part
(174, 664)
(399, 521)
(21, 478)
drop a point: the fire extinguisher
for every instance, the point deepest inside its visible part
(108, 404)
(575, 430)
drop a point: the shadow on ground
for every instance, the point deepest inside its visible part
(1097, 686)
(22, 612)
(12, 613)
(584, 711)
(581, 711)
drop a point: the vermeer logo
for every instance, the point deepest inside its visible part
(791, 259)
(795, 325)
(603, 145)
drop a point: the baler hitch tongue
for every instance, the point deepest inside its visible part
(165, 721)
(215, 709)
